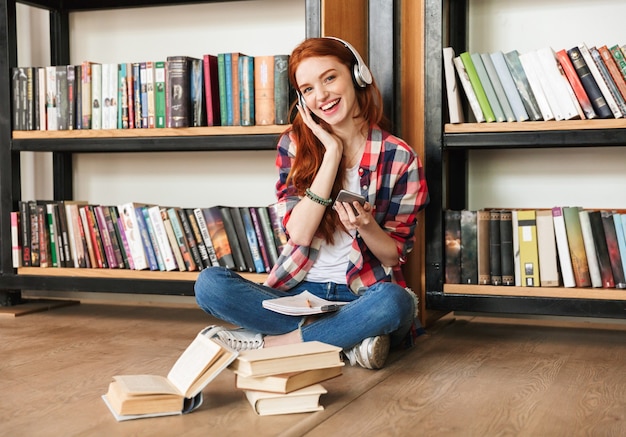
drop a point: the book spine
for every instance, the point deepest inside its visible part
(246, 90)
(129, 262)
(590, 251)
(565, 260)
(268, 234)
(154, 223)
(546, 248)
(252, 240)
(281, 89)
(221, 74)
(621, 238)
(523, 86)
(137, 94)
(613, 249)
(533, 74)
(601, 249)
(173, 243)
(529, 257)
(506, 248)
(472, 74)
(25, 232)
(509, 87)
(98, 245)
(495, 252)
(72, 232)
(472, 99)
(146, 239)
(577, 86)
(619, 58)
(212, 90)
(236, 214)
(264, 108)
(105, 237)
(613, 69)
(179, 94)
(589, 83)
(133, 235)
(122, 96)
(181, 239)
(198, 258)
(93, 261)
(130, 95)
(118, 258)
(576, 245)
(487, 85)
(452, 225)
(233, 240)
(256, 223)
(469, 247)
(455, 109)
(205, 236)
(150, 93)
(16, 248)
(35, 241)
(218, 238)
(196, 90)
(276, 214)
(482, 240)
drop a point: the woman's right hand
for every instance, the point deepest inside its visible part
(330, 141)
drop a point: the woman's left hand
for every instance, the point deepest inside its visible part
(352, 220)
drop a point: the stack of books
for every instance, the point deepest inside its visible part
(287, 379)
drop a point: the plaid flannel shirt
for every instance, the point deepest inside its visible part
(392, 180)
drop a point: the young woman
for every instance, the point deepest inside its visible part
(333, 251)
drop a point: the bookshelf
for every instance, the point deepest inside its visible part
(449, 149)
(322, 18)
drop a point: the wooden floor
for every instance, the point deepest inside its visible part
(468, 376)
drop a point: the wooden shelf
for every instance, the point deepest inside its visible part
(546, 292)
(533, 126)
(122, 274)
(143, 133)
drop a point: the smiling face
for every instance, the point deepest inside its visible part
(327, 87)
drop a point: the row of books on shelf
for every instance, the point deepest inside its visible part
(227, 89)
(577, 83)
(146, 237)
(276, 380)
(557, 247)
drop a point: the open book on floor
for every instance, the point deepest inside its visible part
(301, 304)
(137, 396)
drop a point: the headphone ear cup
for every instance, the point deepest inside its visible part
(358, 79)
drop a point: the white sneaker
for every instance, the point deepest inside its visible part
(371, 353)
(239, 339)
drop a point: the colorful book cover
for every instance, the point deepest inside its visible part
(214, 220)
(253, 242)
(576, 245)
(487, 85)
(589, 83)
(211, 90)
(196, 90)
(181, 239)
(191, 239)
(523, 86)
(570, 73)
(613, 249)
(268, 234)
(126, 212)
(246, 90)
(452, 226)
(146, 241)
(203, 239)
(469, 247)
(159, 94)
(477, 86)
(264, 109)
(529, 256)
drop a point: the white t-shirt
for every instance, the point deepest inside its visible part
(332, 262)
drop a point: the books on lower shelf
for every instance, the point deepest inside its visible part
(137, 236)
(560, 246)
(578, 82)
(178, 91)
(137, 396)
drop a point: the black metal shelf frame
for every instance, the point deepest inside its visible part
(446, 173)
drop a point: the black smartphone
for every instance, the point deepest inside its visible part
(301, 100)
(350, 197)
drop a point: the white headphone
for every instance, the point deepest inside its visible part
(362, 75)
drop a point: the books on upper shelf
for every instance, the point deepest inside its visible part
(455, 110)
(287, 382)
(288, 358)
(304, 303)
(305, 400)
(477, 86)
(137, 396)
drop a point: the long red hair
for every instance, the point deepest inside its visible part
(310, 150)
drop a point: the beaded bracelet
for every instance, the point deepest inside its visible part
(317, 199)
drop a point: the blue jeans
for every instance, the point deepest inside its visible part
(384, 308)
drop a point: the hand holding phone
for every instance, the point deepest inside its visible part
(350, 197)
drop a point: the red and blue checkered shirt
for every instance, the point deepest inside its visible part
(392, 180)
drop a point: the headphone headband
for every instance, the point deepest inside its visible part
(362, 74)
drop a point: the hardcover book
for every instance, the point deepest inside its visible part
(126, 212)
(253, 242)
(204, 236)
(589, 83)
(173, 242)
(546, 249)
(304, 400)
(211, 90)
(178, 87)
(246, 249)
(601, 249)
(452, 223)
(562, 246)
(592, 259)
(608, 79)
(282, 95)
(246, 90)
(488, 87)
(533, 74)
(196, 91)
(276, 214)
(523, 86)
(181, 239)
(190, 239)
(469, 247)
(455, 108)
(507, 262)
(160, 105)
(295, 357)
(529, 256)
(136, 396)
(472, 99)
(613, 249)
(576, 245)
(477, 86)
(219, 238)
(287, 382)
(268, 234)
(233, 240)
(483, 245)
(264, 108)
(495, 251)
